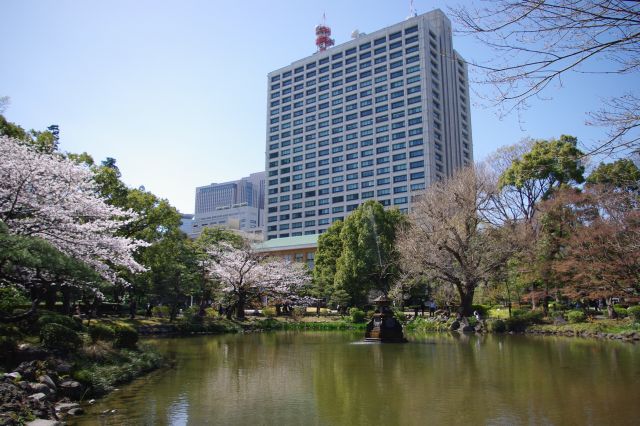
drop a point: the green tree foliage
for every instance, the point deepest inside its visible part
(172, 273)
(621, 174)
(47, 271)
(44, 141)
(326, 258)
(364, 254)
(549, 164)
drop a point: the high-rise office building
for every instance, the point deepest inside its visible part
(237, 204)
(378, 117)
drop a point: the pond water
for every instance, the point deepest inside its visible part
(332, 378)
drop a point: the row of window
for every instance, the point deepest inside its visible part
(380, 95)
(335, 200)
(352, 186)
(397, 146)
(353, 166)
(336, 129)
(332, 210)
(341, 188)
(339, 169)
(336, 84)
(379, 64)
(383, 134)
(364, 84)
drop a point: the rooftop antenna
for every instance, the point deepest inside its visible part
(412, 10)
(323, 35)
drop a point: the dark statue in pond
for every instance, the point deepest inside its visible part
(384, 327)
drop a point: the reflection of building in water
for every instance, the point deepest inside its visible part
(293, 249)
(235, 205)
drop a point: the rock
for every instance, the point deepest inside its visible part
(41, 388)
(26, 352)
(454, 326)
(66, 406)
(71, 389)
(559, 320)
(38, 396)
(63, 368)
(43, 422)
(468, 329)
(29, 369)
(47, 381)
(15, 376)
(76, 411)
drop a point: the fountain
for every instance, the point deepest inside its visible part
(384, 327)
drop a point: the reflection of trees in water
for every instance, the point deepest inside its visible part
(320, 378)
(475, 379)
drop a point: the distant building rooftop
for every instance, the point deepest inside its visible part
(289, 243)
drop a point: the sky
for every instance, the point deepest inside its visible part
(175, 91)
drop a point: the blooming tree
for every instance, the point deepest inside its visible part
(47, 196)
(244, 273)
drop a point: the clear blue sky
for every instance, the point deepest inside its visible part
(175, 91)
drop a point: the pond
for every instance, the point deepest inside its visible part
(332, 378)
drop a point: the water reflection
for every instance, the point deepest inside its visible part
(321, 378)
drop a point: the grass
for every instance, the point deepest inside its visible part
(102, 368)
(608, 326)
(499, 313)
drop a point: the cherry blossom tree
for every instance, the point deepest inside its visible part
(47, 196)
(245, 273)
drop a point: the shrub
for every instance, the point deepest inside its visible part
(101, 332)
(357, 315)
(298, 312)
(399, 314)
(10, 299)
(160, 311)
(622, 312)
(483, 310)
(9, 337)
(634, 312)
(125, 337)
(53, 318)
(575, 317)
(269, 311)
(520, 319)
(497, 326)
(211, 313)
(516, 323)
(56, 336)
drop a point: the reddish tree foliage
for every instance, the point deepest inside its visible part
(600, 258)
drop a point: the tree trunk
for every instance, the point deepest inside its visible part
(612, 312)
(466, 301)
(66, 300)
(50, 298)
(506, 283)
(240, 306)
(533, 299)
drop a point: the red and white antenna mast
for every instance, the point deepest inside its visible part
(323, 36)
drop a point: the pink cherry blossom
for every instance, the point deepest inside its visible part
(48, 196)
(244, 271)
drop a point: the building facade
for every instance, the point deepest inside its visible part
(235, 205)
(300, 249)
(378, 117)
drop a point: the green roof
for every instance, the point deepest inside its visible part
(289, 242)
